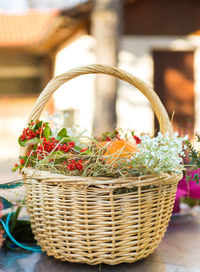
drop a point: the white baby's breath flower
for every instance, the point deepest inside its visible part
(160, 154)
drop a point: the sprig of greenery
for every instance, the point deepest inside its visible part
(194, 155)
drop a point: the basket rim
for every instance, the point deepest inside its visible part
(144, 180)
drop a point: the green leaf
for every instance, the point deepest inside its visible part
(47, 132)
(22, 143)
(78, 148)
(196, 178)
(39, 124)
(20, 229)
(60, 160)
(23, 233)
(16, 168)
(33, 141)
(6, 203)
(15, 218)
(87, 152)
(62, 134)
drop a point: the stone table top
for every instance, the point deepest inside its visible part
(179, 251)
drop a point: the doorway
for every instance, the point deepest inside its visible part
(174, 83)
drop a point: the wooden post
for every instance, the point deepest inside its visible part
(105, 27)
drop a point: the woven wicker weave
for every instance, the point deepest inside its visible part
(89, 220)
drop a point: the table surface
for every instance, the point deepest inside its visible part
(179, 251)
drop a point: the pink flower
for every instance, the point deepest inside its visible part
(185, 188)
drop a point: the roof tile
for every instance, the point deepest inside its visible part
(26, 29)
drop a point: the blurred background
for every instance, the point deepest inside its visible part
(157, 41)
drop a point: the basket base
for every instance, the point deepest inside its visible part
(88, 224)
(111, 257)
(93, 261)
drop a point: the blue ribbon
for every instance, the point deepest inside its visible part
(6, 228)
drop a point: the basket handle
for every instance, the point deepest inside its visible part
(56, 82)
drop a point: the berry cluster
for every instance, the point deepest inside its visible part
(75, 165)
(47, 145)
(22, 162)
(54, 145)
(30, 133)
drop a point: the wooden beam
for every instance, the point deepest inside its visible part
(106, 29)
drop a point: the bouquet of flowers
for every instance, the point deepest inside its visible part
(113, 155)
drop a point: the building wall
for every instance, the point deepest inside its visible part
(13, 117)
(136, 57)
(77, 94)
(22, 77)
(161, 17)
(133, 109)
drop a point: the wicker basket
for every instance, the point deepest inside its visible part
(85, 220)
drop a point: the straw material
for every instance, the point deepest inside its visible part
(99, 220)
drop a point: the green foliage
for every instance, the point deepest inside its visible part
(86, 152)
(190, 201)
(36, 125)
(19, 229)
(62, 136)
(22, 143)
(107, 136)
(78, 148)
(6, 204)
(47, 132)
(194, 155)
(15, 168)
(32, 141)
(195, 178)
(83, 156)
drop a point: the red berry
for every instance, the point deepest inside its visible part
(22, 161)
(137, 139)
(71, 144)
(70, 167)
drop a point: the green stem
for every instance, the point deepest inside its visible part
(16, 215)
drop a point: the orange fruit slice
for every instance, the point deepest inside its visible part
(120, 148)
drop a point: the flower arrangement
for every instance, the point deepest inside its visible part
(97, 198)
(113, 155)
